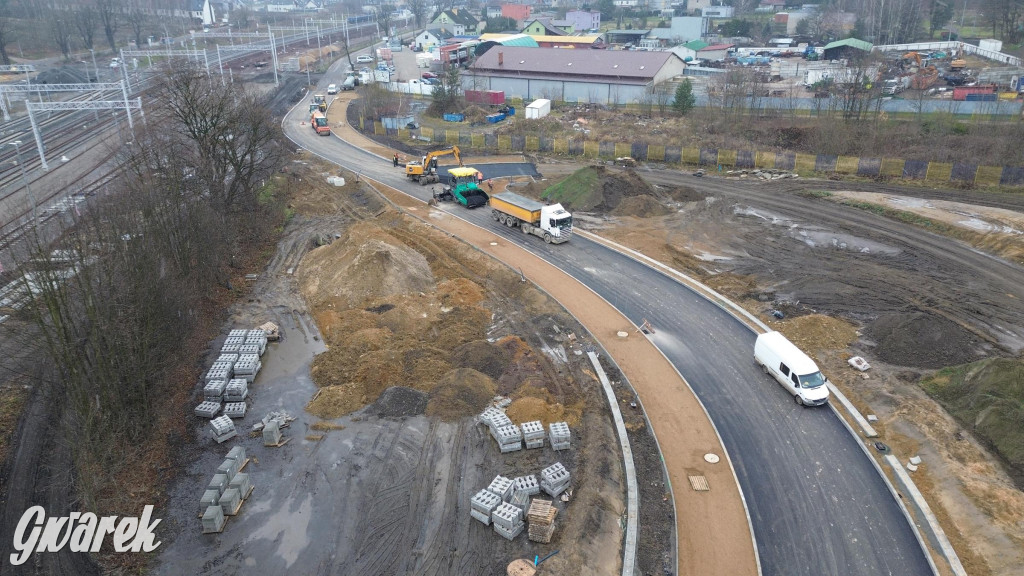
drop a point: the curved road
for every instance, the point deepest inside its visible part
(817, 505)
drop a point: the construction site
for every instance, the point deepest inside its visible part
(443, 416)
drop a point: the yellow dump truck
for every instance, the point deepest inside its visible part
(549, 221)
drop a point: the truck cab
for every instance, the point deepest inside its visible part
(556, 221)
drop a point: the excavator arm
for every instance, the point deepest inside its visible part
(425, 170)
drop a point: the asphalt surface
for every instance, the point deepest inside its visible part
(816, 502)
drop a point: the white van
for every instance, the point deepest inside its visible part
(792, 368)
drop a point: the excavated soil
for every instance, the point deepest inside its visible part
(923, 341)
(399, 401)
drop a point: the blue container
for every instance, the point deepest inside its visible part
(982, 97)
(511, 111)
(454, 117)
(495, 118)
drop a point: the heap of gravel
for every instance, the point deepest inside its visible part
(923, 340)
(399, 401)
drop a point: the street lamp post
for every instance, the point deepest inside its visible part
(24, 178)
(94, 66)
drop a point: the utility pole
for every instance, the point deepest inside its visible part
(94, 66)
(24, 178)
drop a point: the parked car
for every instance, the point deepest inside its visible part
(428, 75)
(364, 58)
(332, 89)
(115, 62)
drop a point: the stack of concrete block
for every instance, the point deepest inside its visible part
(218, 371)
(542, 520)
(223, 429)
(257, 337)
(508, 520)
(235, 409)
(213, 520)
(219, 483)
(248, 366)
(210, 498)
(238, 453)
(231, 501)
(242, 483)
(236, 390)
(482, 504)
(558, 434)
(229, 467)
(533, 434)
(487, 416)
(554, 479)
(238, 333)
(214, 390)
(250, 349)
(498, 421)
(520, 500)
(501, 486)
(207, 409)
(272, 434)
(232, 344)
(229, 357)
(510, 438)
(526, 484)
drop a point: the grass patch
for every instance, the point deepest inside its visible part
(815, 194)
(904, 216)
(315, 437)
(324, 426)
(986, 397)
(575, 189)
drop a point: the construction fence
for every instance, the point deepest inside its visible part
(933, 172)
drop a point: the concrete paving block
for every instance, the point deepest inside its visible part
(222, 425)
(241, 482)
(485, 501)
(501, 486)
(237, 453)
(915, 460)
(526, 484)
(207, 409)
(532, 430)
(230, 501)
(210, 498)
(485, 518)
(219, 483)
(229, 468)
(213, 520)
(235, 409)
(238, 333)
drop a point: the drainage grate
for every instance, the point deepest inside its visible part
(699, 483)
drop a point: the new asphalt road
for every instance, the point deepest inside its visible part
(817, 505)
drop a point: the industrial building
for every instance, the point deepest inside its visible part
(600, 76)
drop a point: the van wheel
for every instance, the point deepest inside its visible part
(764, 368)
(798, 400)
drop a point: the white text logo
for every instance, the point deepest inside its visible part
(82, 532)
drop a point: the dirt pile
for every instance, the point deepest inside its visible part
(641, 207)
(460, 393)
(354, 271)
(922, 340)
(481, 356)
(814, 333)
(597, 189)
(399, 401)
(332, 402)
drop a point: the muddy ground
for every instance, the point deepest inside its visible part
(852, 282)
(384, 487)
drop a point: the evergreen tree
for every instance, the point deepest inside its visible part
(685, 100)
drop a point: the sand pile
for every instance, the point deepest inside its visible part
(816, 332)
(333, 402)
(641, 207)
(923, 340)
(529, 409)
(354, 272)
(460, 393)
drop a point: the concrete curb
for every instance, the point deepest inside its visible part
(632, 492)
(869, 431)
(931, 523)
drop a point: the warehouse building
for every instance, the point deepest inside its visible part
(599, 76)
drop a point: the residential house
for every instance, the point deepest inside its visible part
(542, 27)
(202, 11)
(606, 77)
(492, 11)
(517, 12)
(583, 20)
(458, 20)
(433, 37)
(718, 12)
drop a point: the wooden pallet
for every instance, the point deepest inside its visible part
(541, 512)
(242, 467)
(279, 444)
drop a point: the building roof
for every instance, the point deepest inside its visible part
(696, 45)
(510, 39)
(852, 43)
(661, 33)
(441, 33)
(561, 23)
(548, 27)
(458, 17)
(625, 65)
(569, 39)
(629, 32)
(716, 47)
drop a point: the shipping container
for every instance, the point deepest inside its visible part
(486, 97)
(538, 109)
(981, 97)
(961, 92)
(454, 117)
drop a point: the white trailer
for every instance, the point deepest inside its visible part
(538, 109)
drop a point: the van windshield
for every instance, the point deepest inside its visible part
(812, 380)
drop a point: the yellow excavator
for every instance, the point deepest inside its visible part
(913, 56)
(424, 171)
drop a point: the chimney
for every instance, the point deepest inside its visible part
(501, 58)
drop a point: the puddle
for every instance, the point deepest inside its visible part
(709, 257)
(816, 237)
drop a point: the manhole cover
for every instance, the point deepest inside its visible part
(622, 334)
(699, 483)
(711, 458)
(494, 243)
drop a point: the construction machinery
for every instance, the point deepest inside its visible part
(548, 221)
(321, 101)
(425, 170)
(463, 188)
(319, 123)
(913, 56)
(958, 64)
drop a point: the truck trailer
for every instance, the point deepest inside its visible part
(548, 221)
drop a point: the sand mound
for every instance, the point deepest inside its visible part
(399, 401)
(460, 393)
(336, 401)
(374, 268)
(460, 292)
(922, 340)
(482, 356)
(641, 207)
(814, 332)
(530, 408)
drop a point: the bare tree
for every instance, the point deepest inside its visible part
(109, 11)
(86, 19)
(384, 19)
(663, 96)
(419, 11)
(61, 28)
(136, 18)
(6, 30)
